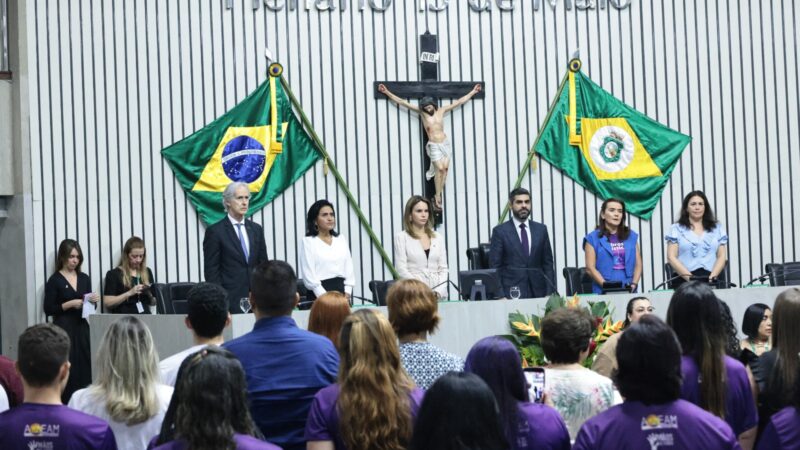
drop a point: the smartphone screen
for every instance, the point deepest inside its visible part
(535, 378)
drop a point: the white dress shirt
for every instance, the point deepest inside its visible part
(244, 232)
(517, 223)
(321, 261)
(411, 261)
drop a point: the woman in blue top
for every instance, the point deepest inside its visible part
(612, 249)
(696, 245)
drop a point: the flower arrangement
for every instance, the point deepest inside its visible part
(525, 329)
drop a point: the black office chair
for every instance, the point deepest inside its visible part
(478, 257)
(379, 288)
(723, 280)
(302, 291)
(578, 281)
(161, 295)
(786, 274)
(179, 297)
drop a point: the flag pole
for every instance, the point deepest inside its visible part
(532, 152)
(332, 168)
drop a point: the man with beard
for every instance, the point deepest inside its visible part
(521, 252)
(438, 147)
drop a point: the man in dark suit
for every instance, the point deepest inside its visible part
(233, 247)
(520, 251)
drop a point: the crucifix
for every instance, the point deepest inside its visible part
(437, 154)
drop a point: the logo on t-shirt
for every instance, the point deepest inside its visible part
(656, 422)
(42, 430)
(40, 445)
(658, 439)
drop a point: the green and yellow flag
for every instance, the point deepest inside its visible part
(608, 147)
(259, 142)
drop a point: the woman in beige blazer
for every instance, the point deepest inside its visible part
(419, 252)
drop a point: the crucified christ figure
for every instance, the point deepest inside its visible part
(438, 147)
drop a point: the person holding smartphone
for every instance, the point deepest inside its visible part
(526, 425)
(127, 286)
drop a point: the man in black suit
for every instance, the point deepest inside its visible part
(521, 252)
(233, 247)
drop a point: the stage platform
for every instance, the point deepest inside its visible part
(462, 323)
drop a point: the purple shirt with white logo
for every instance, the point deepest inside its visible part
(740, 407)
(243, 442)
(782, 432)
(323, 419)
(675, 425)
(50, 427)
(541, 427)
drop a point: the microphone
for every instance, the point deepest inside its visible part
(667, 281)
(455, 286)
(363, 299)
(550, 283)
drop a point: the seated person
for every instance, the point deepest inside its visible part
(127, 391)
(526, 425)
(207, 317)
(42, 421)
(576, 392)
(327, 315)
(414, 312)
(783, 429)
(362, 410)
(653, 415)
(285, 365)
(757, 326)
(10, 381)
(605, 361)
(209, 408)
(459, 412)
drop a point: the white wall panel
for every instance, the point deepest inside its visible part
(114, 82)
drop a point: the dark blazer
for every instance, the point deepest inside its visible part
(514, 269)
(224, 259)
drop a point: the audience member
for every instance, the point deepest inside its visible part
(419, 251)
(285, 365)
(127, 393)
(414, 312)
(207, 317)
(732, 344)
(328, 314)
(653, 415)
(374, 403)
(757, 326)
(612, 250)
(42, 421)
(605, 361)
(10, 381)
(64, 295)
(780, 364)
(325, 260)
(127, 287)
(783, 429)
(527, 425)
(209, 407)
(575, 391)
(697, 318)
(4, 406)
(459, 412)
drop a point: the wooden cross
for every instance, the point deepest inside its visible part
(429, 86)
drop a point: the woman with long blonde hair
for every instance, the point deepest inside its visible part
(374, 402)
(127, 286)
(127, 392)
(419, 251)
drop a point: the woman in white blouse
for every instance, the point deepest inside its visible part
(419, 252)
(325, 260)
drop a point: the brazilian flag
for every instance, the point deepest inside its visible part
(608, 147)
(259, 142)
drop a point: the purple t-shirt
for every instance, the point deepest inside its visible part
(740, 407)
(243, 442)
(636, 426)
(323, 419)
(618, 252)
(38, 426)
(782, 432)
(542, 428)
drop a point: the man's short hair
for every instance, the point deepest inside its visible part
(518, 191)
(208, 309)
(273, 287)
(649, 362)
(42, 350)
(565, 333)
(413, 307)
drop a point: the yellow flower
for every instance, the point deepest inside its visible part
(526, 328)
(573, 303)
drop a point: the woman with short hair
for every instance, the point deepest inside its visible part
(209, 410)
(373, 403)
(414, 313)
(711, 379)
(526, 425)
(327, 315)
(757, 326)
(459, 413)
(127, 287)
(653, 415)
(127, 393)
